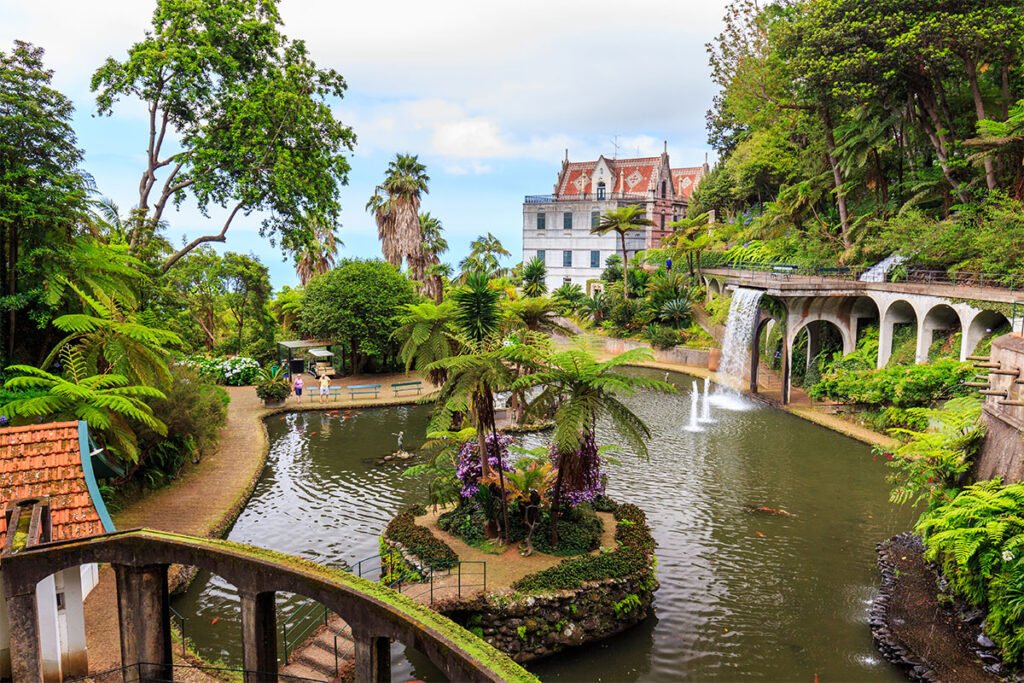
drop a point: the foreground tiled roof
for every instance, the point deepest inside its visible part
(44, 460)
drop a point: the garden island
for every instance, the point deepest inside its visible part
(759, 418)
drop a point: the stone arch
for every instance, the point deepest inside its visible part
(898, 312)
(141, 558)
(714, 288)
(939, 318)
(983, 324)
(765, 324)
(863, 312)
(819, 332)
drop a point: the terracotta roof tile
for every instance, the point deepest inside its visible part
(686, 179)
(44, 460)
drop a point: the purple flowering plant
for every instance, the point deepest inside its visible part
(469, 471)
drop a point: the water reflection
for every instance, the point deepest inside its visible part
(744, 593)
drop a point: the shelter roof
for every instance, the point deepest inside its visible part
(303, 343)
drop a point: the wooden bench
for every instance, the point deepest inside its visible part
(399, 387)
(359, 389)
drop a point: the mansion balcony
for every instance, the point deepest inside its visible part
(588, 197)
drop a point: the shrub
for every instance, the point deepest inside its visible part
(466, 521)
(579, 531)
(235, 371)
(903, 386)
(419, 541)
(633, 556)
(662, 337)
(978, 539)
(271, 385)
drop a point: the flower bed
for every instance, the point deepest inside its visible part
(235, 371)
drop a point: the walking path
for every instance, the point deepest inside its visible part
(207, 498)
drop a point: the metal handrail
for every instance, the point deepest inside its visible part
(305, 625)
(120, 673)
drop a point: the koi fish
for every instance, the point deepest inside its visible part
(778, 512)
(760, 534)
(214, 620)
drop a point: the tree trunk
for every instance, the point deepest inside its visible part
(931, 124)
(837, 176)
(625, 266)
(979, 111)
(501, 482)
(12, 287)
(556, 501)
(481, 435)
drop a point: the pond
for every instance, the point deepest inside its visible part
(744, 594)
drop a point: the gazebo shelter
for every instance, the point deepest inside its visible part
(287, 351)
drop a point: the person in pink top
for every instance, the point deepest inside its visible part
(298, 386)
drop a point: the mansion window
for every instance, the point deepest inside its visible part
(567, 220)
(595, 259)
(542, 254)
(595, 218)
(567, 259)
(542, 220)
(600, 190)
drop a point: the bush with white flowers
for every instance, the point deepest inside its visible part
(235, 371)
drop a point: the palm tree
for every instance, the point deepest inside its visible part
(484, 255)
(690, 236)
(106, 401)
(395, 205)
(534, 273)
(317, 256)
(286, 308)
(427, 334)
(582, 391)
(434, 244)
(622, 220)
(536, 314)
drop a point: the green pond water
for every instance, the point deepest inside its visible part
(743, 595)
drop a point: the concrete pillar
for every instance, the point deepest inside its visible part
(143, 608)
(75, 657)
(259, 637)
(49, 628)
(26, 650)
(787, 355)
(924, 340)
(885, 341)
(813, 341)
(373, 659)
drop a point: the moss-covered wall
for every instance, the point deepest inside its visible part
(530, 626)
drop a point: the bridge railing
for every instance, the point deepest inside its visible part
(768, 273)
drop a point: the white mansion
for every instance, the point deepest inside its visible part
(556, 227)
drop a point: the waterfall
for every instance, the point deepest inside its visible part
(739, 333)
(879, 271)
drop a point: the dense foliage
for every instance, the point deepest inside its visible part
(847, 131)
(978, 539)
(902, 386)
(418, 540)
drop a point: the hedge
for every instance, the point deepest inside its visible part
(433, 552)
(633, 556)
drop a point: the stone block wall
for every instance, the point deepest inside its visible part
(1002, 453)
(527, 627)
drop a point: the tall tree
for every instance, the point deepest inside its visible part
(485, 254)
(42, 193)
(239, 118)
(434, 244)
(582, 391)
(621, 221)
(316, 256)
(395, 205)
(246, 292)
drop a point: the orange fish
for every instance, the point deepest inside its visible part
(214, 620)
(759, 534)
(312, 433)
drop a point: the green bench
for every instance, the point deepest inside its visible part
(314, 394)
(360, 389)
(399, 387)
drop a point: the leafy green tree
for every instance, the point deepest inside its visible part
(621, 221)
(286, 307)
(582, 391)
(106, 401)
(239, 118)
(193, 294)
(246, 293)
(42, 195)
(359, 303)
(534, 273)
(316, 256)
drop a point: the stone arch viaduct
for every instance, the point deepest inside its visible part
(812, 301)
(140, 560)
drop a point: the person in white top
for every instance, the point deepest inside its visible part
(325, 387)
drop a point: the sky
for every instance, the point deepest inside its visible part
(489, 95)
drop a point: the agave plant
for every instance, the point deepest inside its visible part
(106, 401)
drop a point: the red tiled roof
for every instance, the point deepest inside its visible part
(628, 175)
(44, 460)
(685, 179)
